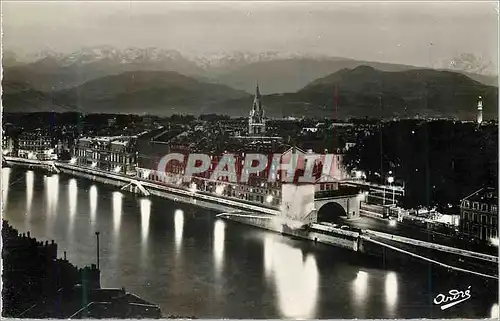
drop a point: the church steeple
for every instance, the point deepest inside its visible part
(256, 123)
(257, 109)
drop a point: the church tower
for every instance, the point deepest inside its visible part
(480, 111)
(256, 121)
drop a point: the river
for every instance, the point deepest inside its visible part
(191, 263)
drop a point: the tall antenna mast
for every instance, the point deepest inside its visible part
(336, 101)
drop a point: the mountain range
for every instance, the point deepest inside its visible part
(276, 72)
(164, 82)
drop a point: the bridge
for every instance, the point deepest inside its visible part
(30, 163)
(135, 187)
(327, 204)
(376, 193)
(432, 246)
(332, 204)
(344, 201)
(463, 260)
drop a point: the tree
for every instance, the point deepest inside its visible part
(440, 162)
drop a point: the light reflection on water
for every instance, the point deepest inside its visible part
(494, 314)
(30, 180)
(223, 272)
(218, 246)
(5, 186)
(52, 199)
(117, 212)
(93, 204)
(391, 291)
(360, 286)
(296, 279)
(72, 201)
(52, 193)
(179, 228)
(268, 256)
(145, 215)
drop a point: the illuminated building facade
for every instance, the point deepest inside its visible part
(479, 215)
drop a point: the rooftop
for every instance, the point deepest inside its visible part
(168, 134)
(486, 194)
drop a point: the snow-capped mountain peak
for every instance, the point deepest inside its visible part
(132, 55)
(106, 53)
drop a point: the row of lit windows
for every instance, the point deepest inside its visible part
(482, 233)
(114, 157)
(327, 187)
(474, 217)
(237, 191)
(35, 142)
(479, 206)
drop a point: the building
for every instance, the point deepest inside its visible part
(480, 111)
(112, 121)
(479, 215)
(216, 140)
(8, 146)
(157, 143)
(37, 144)
(256, 121)
(256, 190)
(117, 154)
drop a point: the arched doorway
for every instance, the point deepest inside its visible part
(331, 212)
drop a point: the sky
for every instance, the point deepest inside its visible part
(423, 33)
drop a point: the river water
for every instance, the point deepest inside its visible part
(193, 264)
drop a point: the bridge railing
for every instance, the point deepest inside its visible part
(434, 246)
(329, 229)
(343, 191)
(211, 198)
(375, 186)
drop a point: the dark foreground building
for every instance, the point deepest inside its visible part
(479, 215)
(36, 284)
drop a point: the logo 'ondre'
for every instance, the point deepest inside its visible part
(454, 297)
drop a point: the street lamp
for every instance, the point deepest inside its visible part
(390, 179)
(97, 250)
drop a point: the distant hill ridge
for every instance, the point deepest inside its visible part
(361, 92)
(368, 92)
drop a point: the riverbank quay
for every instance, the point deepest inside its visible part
(387, 249)
(315, 232)
(37, 284)
(141, 186)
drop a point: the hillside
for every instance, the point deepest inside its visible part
(54, 71)
(21, 97)
(361, 92)
(160, 93)
(367, 92)
(290, 75)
